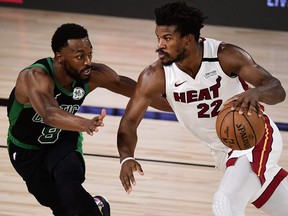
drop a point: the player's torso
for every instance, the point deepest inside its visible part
(197, 102)
(27, 126)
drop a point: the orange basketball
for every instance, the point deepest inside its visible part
(239, 132)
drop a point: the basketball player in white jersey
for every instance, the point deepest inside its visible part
(198, 76)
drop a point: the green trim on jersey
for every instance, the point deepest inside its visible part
(80, 143)
(13, 116)
(20, 144)
(15, 112)
(86, 88)
(37, 65)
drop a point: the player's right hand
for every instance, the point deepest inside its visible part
(126, 174)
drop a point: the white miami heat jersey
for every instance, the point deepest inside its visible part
(197, 102)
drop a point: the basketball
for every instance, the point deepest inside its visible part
(239, 132)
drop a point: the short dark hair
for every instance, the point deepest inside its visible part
(189, 20)
(64, 33)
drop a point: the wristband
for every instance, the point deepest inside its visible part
(125, 159)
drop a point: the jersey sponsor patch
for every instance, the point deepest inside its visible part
(209, 74)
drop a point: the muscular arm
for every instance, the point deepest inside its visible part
(35, 87)
(127, 132)
(266, 88)
(106, 77)
(150, 83)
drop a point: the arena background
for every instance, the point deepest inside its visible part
(260, 14)
(180, 178)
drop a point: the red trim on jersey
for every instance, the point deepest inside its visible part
(262, 199)
(244, 84)
(261, 152)
(231, 162)
(260, 155)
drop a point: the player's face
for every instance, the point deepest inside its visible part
(171, 46)
(77, 59)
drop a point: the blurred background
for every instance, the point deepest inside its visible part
(179, 175)
(263, 14)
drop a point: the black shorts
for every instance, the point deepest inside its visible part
(36, 168)
(28, 161)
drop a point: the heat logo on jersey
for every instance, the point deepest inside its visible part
(203, 94)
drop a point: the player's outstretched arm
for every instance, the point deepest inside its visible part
(105, 77)
(35, 87)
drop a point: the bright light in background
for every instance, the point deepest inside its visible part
(277, 3)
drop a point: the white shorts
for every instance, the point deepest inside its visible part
(264, 159)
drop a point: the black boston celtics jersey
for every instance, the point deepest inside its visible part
(27, 128)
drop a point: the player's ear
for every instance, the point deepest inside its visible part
(188, 38)
(59, 58)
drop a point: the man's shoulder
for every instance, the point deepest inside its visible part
(153, 73)
(41, 65)
(155, 67)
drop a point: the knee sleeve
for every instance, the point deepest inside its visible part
(221, 204)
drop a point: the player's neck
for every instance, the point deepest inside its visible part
(192, 63)
(61, 76)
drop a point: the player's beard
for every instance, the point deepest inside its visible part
(182, 54)
(75, 75)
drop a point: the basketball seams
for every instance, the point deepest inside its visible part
(224, 119)
(251, 128)
(221, 113)
(234, 128)
(221, 124)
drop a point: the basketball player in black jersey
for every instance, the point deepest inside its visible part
(45, 137)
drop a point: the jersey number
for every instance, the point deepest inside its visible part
(204, 108)
(49, 135)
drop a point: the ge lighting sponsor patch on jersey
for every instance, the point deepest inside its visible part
(209, 74)
(78, 93)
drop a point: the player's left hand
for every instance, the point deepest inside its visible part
(246, 100)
